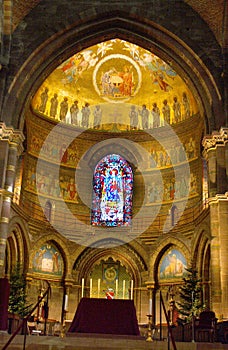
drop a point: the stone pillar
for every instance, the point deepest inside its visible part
(11, 144)
(216, 154)
(219, 248)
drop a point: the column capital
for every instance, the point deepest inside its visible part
(216, 138)
(150, 285)
(12, 136)
(218, 198)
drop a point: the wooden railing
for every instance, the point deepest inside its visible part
(170, 334)
(23, 324)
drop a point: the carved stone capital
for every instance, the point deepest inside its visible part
(216, 138)
(14, 137)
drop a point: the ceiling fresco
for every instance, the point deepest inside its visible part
(115, 81)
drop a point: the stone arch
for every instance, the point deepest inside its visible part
(161, 248)
(126, 254)
(18, 244)
(202, 256)
(100, 150)
(147, 27)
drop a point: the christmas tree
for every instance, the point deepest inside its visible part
(190, 292)
(17, 298)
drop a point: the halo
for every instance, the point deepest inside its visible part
(117, 56)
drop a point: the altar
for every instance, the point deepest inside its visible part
(103, 316)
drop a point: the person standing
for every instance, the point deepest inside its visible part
(177, 110)
(166, 111)
(186, 105)
(74, 113)
(43, 100)
(54, 106)
(63, 109)
(97, 117)
(133, 114)
(145, 117)
(85, 115)
(156, 115)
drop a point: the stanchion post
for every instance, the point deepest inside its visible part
(149, 333)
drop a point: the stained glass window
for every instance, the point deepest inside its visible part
(112, 192)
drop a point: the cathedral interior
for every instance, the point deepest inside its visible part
(114, 150)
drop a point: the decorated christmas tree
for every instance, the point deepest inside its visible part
(190, 293)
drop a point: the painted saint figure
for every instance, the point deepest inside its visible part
(133, 114)
(186, 105)
(74, 113)
(54, 106)
(166, 111)
(156, 115)
(97, 117)
(177, 110)
(85, 115)
(43, 100)
(145, 117)
(63, 108)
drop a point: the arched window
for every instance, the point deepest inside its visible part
(112, 192)
(48, 210)
(174, 215)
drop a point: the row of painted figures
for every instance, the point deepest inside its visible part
(156, 158)
(65, 187)
(149, 119)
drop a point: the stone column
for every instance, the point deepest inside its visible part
(11, 143)
(219, 248)
(215, 151)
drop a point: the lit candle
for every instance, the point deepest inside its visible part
(98, 287)
(116, 289)
(150, 306)
(83, 283)
(132, 283)
(66, 303)
(123, 289)
(90, 287)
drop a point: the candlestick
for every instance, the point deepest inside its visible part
(150, 306)
(66, 303)
(90, 288)
(132, 283)
(116, 289)
(98, 287)
(83, 283)
(123, 289)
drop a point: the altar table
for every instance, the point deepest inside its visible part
(105, 316)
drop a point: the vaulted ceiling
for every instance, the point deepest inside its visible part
(213, 15)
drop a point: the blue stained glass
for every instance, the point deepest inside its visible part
(112, 192)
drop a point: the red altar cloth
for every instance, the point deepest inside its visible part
(105, 316)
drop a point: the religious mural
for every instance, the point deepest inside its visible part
(110, 275)
(173, 265)
(49, 183)
(112, 195)
(48, 260)
(86, 89)
(118, 87)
